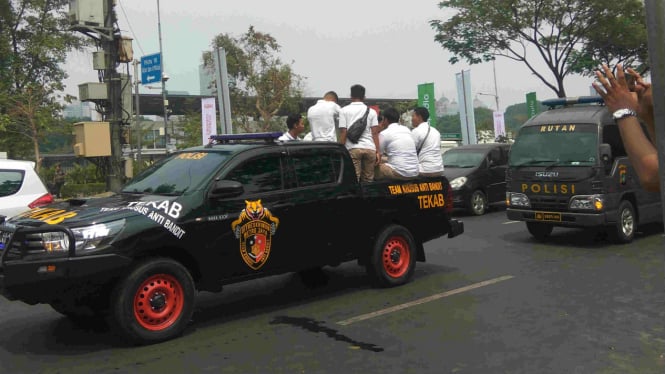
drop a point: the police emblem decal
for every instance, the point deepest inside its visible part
(254, 229)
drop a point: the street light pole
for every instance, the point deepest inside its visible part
(165, 101)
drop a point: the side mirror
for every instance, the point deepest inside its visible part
(226, 188)
(606, 155)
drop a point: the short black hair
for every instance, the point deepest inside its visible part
(332, 94)
(292, 120)
(422, 112)
(391, 114)
(357, 92)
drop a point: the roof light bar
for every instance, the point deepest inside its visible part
(267, 136)
(565, 101)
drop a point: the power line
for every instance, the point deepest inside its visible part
(130, 27)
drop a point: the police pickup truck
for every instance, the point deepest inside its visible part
(242, 207)
(568, 168)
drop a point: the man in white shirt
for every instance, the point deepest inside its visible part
(397, 144)
(365, 153)
(428, 144)
(296, 126)
(323, 117)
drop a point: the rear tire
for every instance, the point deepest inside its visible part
(539, 230)
(477, 204)
(393, 258)
(624, 231)
(154, 302)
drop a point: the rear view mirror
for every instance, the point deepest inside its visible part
(226, 188)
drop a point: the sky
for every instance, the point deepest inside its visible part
(387, 46)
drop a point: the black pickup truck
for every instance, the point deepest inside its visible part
(242, 207)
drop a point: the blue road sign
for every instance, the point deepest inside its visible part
(151, 68)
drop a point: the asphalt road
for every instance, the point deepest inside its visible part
(492, 300)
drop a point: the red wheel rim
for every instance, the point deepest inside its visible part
(396, 256)
(158, 302)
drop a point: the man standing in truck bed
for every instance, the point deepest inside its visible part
(366, 153)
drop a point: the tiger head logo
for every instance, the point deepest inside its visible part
(254, 228)
(254, 209)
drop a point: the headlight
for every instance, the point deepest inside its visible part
(89, 237)
(55, 242)
(518, 199)
(458, 182)
(587, 202)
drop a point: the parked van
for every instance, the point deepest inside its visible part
(568, 168)
(477, 174)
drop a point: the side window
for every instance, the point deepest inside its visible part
(313, 169)
(612, 137)
(260, 174)
(495, 155)
(10, 182)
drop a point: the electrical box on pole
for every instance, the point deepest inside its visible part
(86, 13)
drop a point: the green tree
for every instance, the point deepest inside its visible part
(33, 47)
(569, 36)
(260, 84)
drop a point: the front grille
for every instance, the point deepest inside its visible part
(549, 203)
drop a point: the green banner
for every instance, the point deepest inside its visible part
(531, 104)
(426, 99)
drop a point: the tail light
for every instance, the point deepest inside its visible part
(449, 199)
(43, 200)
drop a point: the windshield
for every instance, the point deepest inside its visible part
(177, 174)
(555, 145)
(469, 158)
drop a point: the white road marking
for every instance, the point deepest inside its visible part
(424, 300)
(509, 222)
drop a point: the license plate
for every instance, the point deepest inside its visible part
(548, 216)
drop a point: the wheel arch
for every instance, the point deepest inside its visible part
(630, 197)
(420, 248)
(177, 254)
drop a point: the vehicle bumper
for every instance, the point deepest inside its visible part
(568, 219)
(30, 282)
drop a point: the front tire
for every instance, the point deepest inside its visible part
(624, 231)
(154, 302)
(477, 204)
(393, 258)
(539, 230)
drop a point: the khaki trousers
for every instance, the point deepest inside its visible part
(363, 161)
(383, 172)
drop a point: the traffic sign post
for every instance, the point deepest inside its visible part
(151, 68)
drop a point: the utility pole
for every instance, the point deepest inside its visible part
(97, 19)
(113, 111)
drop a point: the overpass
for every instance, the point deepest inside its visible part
(151, 104)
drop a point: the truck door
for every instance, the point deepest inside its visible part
(252, 230)
(320, 198)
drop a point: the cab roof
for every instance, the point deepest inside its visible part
(569, 111)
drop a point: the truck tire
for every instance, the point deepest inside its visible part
(624, 231)
(154, 302)
(539, 230)
(393, 258)
(477, 204)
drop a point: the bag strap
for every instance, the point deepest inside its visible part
(429, 127)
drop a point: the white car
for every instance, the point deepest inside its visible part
(21, 188)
